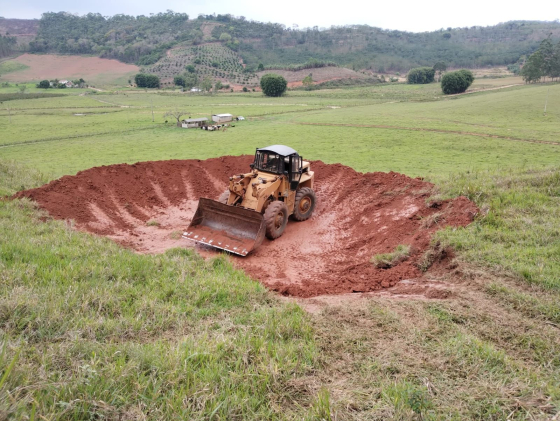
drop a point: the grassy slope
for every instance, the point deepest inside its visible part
(488, 352)
(99, 331)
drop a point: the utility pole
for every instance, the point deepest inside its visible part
(546, 102)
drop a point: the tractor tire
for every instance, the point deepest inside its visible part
(275, 219)
(304, 204)
(224, 197)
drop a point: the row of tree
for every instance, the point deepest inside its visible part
(55, 83)
(543, 63)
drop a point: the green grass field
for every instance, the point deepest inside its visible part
(89, 330)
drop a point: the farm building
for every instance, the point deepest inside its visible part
(193, 123)
(222, 118)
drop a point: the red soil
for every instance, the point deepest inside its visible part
(51, 66)
(357, 216)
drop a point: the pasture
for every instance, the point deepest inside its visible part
(92, 329)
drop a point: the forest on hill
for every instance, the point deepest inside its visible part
(7, 45)
(145, 39)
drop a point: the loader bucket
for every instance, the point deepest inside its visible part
(226, 227)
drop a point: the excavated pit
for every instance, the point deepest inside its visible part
(147, 206)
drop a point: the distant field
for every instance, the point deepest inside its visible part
(407, 128)
(93, 69)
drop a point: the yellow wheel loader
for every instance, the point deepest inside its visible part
(257, 203)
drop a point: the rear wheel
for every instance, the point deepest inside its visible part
(304, 204)
(224, 197)
(275, 219)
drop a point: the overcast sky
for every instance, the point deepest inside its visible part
(406, 15)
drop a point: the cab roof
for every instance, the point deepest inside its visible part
(279, 149)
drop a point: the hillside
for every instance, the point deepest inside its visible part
(145, 40)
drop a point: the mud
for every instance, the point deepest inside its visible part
(147, 206)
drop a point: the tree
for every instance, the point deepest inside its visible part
(22, 89)
(44, 84)
(273, 84)
(180, 81)
(439, 68)
(308, 82)
(456, 82)
(532, 70)
(152, 81)
(177, 114)
(140, 80)
(191, 80)
(556, 62)
(468, 75)
(190, 68)
(218, 86)
(206, 84)
(547, 53)
(420, 75)
(146, 81)
(260, 68)
(225, 37)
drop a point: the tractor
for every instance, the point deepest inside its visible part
(256, 204)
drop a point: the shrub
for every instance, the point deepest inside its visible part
(388, 260)
(468, 75)
(146, 81)
(273, 84)
(180, 81)
(44, 84)
(421, 75)
(456, 82)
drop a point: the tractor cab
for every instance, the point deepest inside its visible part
(281, 160)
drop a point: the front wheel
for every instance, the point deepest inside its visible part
(304, 204)
(275, 219)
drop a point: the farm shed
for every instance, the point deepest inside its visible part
(222, 118)
(193, 123)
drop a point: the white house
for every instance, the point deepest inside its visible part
(192, 123)
(222, 118)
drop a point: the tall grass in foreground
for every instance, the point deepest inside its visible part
(89, 330)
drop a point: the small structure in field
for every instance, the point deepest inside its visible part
(193, 123)
(222, 118)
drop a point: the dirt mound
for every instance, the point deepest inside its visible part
(148, 205)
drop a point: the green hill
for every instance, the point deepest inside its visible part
(145, 40)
